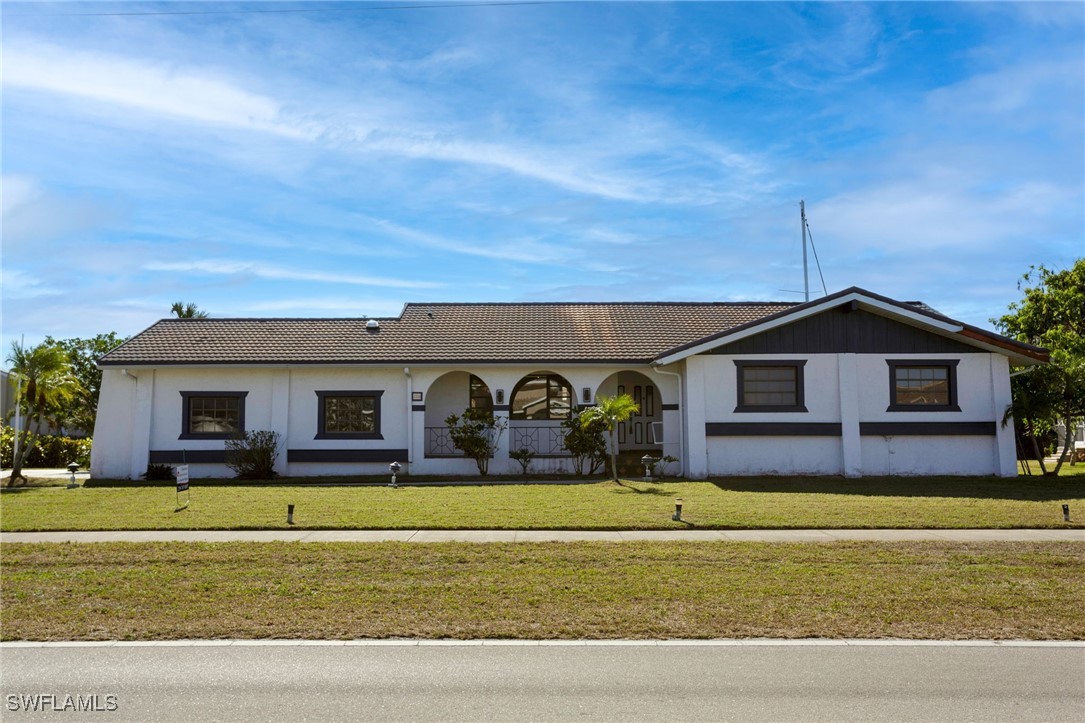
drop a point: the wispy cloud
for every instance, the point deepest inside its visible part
(227, 267)
(152, 87)
(32, 214)
(19, 284)
(338, 305)
(522, 250)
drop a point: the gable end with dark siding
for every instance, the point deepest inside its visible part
(841, 330)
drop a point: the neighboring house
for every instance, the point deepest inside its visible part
(7, 398)
(1079, 440)
(853, 384)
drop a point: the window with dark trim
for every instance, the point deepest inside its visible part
(770, 386)
(212, 415)
(480, 397)
(923, 385)
(541, 396)
(349, 414)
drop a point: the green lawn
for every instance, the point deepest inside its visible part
(550, 590)
(736, 503)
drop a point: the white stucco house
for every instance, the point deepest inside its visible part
(851, 384)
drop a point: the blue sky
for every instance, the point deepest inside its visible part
(342, 163)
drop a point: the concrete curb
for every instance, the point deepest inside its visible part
(719, 642)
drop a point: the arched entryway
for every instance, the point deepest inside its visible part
(538, 404)
(643, 432)
(452, 393)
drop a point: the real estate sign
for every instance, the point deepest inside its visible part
(182, 477)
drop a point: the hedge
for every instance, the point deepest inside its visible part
(46, 451)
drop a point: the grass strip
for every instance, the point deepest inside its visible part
(545, 590)
(769, 503)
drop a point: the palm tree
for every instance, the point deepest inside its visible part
(44, 382)
(187, 311)
(612, 411)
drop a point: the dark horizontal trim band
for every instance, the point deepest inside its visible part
(502, 407)
(772, 429)
(346, 455)
(418, 407)
(928, 429)
(349, 435)
(669, 407)
(186, 456)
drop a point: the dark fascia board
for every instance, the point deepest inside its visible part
(968, 331)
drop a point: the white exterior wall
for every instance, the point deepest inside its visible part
(143, 413)
(305, 382)
(111, 453)
(746, 455)
(977, 382)
(850, 390)
(166, 420)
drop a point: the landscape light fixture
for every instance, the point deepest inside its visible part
(71, 481)
(1065, 511)
(290, 514)
(677, 510)
(394, 468)
(648, 460)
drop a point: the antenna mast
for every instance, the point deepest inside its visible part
(805, 266)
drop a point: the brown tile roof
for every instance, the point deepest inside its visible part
(541, 332)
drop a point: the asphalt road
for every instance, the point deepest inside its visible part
(565, 683)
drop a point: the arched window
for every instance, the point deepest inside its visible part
(541, 396)
(480, 397)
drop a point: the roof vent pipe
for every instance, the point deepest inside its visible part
(373, 325)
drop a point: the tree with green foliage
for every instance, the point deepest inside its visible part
(83, 354)
(586, 444)
(476, 432)
(1051, 315)
(44, 384)
(187, 311)
(610, 412)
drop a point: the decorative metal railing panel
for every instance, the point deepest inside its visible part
(542, 440)
(439, 443)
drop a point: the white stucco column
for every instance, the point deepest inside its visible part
(851, 441)
(1002, 398)
(141, 422)
(280, 415)
(500, 463)
(694, 405)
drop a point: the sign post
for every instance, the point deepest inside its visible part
(182, 485)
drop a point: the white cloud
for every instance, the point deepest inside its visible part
(227, 267)
(156, 88)
(33, 214)
(17, 191)
(19, 284)
(554, 169)
(338, 305)
(523, 250)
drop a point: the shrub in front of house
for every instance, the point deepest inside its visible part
(252, 454)
(46, 450)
